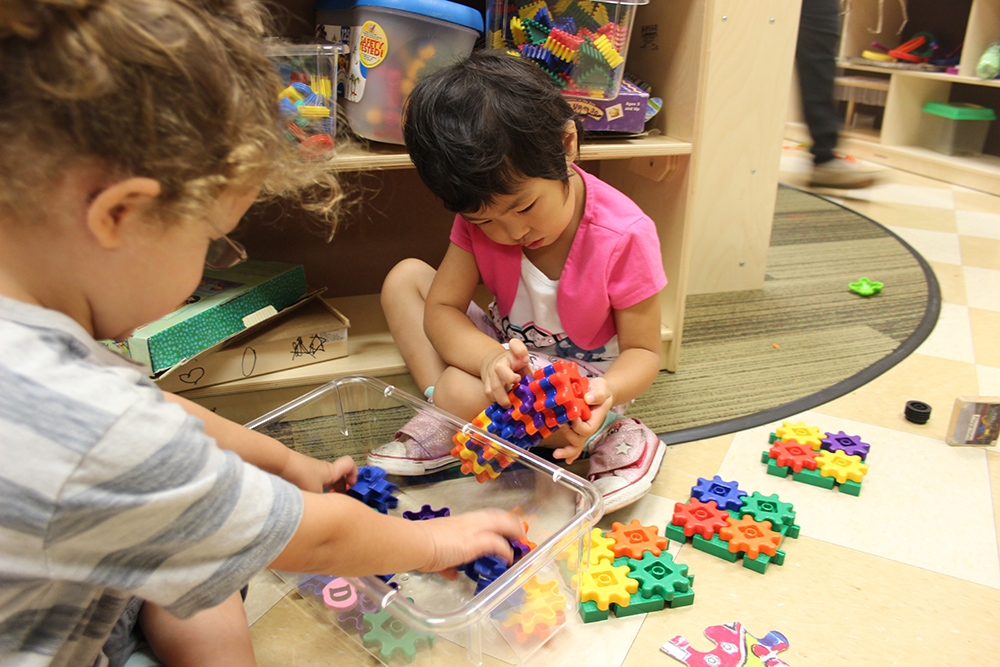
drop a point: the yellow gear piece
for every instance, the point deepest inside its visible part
(560, 50)
(807, 436)
(606, 584)
(841, 467)
(530, 11)
(517, 32)
(613, 58)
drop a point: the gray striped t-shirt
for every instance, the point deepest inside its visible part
(108, 491)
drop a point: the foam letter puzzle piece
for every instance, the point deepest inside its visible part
(735, 647)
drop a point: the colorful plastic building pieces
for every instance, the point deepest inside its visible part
(752, 527)
(540, 402)
(541, 612)
(800, 433)
(735, 647)
(633, 540)
(866, 287)
(392, 636)
(373, 490)
(838, 460)
(426, 512)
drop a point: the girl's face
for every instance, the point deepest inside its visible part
(537, 214)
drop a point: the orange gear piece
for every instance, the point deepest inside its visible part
(471, 466)
(792, 454)
(605, 584)
(635, 539)
(528, 543)
(809, 436)
(706, 519)
(751, 536)
(542, 611)
(569, 387)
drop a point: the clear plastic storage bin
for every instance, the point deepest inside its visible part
(392, 44)
(956, 128)
(307, 100)
(429, 619)
(580, 44)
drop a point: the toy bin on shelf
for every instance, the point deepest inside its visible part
(581, 44)
(425, 617)
(956, 128)
(392, 43)
(307, 101)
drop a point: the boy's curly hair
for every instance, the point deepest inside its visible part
(180, 91)
(478, 128)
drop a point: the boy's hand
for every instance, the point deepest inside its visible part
(502, 370)
(317, 476)
(460, 539)
(577, 432)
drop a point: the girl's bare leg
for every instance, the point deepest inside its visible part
(404, 293)
(216, 636)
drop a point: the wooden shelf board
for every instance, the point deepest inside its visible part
(371, 351)
(358, 157)
(942, 76)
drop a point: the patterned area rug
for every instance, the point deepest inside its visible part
(749, 358)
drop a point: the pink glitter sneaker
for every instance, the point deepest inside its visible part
(422, 446)
(624, 462)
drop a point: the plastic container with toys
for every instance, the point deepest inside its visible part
(307, 101)
(956, 128)
(392, 43)
(425, 618)
(581, 44)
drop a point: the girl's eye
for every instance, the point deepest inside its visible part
(527, 208)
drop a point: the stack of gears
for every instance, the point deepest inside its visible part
(540, 402)
(575, 43)
(305, 111)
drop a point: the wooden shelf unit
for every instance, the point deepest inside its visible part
(899, 144)
(706, 173)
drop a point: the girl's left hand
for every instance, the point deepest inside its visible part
(317, 476)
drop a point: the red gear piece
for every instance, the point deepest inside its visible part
(706, 519)
(751, 536)
(634, 540)
(569, 386)
(791, 453)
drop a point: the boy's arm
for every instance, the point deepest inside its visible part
(341, 536)
(455, 337)
(269, 454)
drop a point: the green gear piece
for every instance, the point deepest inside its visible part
(768, 508)
(536, 33)
(659, 575)
(392, 636)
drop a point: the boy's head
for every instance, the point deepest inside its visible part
(179, 91)
(480, 127)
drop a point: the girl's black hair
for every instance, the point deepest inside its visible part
(478, 128)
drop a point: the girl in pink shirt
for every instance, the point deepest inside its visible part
(573, 265)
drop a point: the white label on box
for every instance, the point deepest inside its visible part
(259, 316)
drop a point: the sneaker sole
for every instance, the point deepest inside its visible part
(629, 494)
(412, 467)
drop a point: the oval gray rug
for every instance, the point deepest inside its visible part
(753, 357)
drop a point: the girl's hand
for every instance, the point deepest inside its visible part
(317, 476)
(600, 399)
(460, 539)
(502, 370)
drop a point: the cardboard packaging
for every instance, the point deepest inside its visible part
(975, 420)
(225, 303)
(298, 336)
(625, 113)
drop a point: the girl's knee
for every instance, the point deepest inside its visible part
(410, 273)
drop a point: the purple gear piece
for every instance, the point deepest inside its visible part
(314, 584)
(426, 512)
(850, 445)
(727, 495)
(520, 549)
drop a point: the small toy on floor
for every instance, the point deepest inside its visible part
(630, 573)
(723, 520)
(827, 461)
(735, 647)
(540, 402)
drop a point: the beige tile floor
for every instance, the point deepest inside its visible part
(907, 573)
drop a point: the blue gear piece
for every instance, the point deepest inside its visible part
(426, 512)
(373, 490)
(488, 568)
(727, 495)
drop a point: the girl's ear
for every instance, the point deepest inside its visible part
(571, 141)
(118, 204)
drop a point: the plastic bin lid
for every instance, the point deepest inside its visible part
(960, 111)
(442, 10)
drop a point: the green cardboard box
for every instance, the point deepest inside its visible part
(225, 303)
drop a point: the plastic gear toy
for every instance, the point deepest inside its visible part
(605, 584)
(426, 512)
(769, 508)
(727, 495)
(660, 575)
(705, 519)
(800, 433)
(850, 445)
(635, 539)
(751, 537)
(841, 467)
(392, 636)
(791, 454)
(373, 490)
